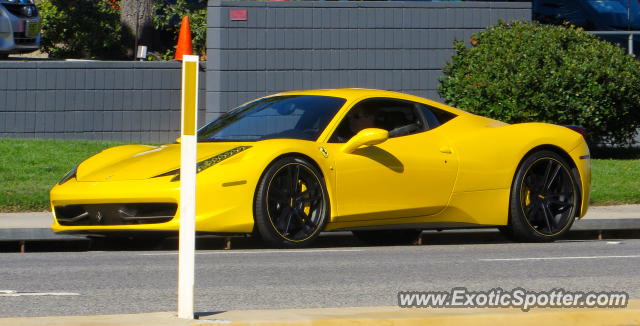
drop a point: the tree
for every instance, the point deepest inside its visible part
(136, 17)
(86, 29)
(522, 72)
(167, 19)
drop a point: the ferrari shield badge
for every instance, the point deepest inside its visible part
(324, 152)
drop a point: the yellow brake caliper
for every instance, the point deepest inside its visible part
(307, 205)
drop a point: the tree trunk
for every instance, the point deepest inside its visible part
(137, 24)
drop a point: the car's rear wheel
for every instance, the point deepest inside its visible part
(544, 198)
(291, 203)
(389, 237)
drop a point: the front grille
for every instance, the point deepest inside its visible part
(115, 214)
(21, 39)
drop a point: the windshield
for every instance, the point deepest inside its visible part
(290, 116)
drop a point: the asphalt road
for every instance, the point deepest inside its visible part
(109, 282)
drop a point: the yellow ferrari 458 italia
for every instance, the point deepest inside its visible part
(381, 164)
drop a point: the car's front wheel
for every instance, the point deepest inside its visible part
(544, 198)
(291, 203)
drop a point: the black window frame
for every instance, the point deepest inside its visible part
(443, 116)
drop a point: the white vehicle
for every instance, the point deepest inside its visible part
(19, 27)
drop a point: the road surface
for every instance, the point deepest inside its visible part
(109, 282)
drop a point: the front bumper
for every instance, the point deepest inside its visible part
(13, 33)
(219, 208)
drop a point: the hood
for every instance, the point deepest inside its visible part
(138, 162)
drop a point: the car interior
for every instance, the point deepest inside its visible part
(399, 118)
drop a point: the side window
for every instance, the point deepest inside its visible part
(434, 117)
(400, 118)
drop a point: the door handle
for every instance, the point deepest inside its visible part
(446, 150)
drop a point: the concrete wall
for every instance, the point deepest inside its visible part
(125, 101)
(319, 44)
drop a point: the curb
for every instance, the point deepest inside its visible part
(431, 316)
(30, 230)
(44, 240)
(372, 316)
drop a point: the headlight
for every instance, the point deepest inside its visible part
(203, 165)
(70, 175)
(219, 158)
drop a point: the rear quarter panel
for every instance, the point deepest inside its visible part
(490, 153)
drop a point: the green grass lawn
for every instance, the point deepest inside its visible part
(615, 182)
(30, 167)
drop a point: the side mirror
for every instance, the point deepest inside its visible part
(366, 137)
(178, 140)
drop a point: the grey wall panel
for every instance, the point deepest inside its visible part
(92, 100)
(281, 46)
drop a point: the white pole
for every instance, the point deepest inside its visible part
(188, 153)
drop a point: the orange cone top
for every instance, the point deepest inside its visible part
(184, 40)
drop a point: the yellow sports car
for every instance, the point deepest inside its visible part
(382, 164)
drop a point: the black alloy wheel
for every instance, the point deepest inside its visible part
(544, 199)
(291, 204)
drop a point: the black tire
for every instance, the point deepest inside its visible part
(291, 205)
(544, 198)
(507, 232)
(388, 237)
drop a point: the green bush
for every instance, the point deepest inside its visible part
(88, 29)
(521, 72)
(168, 16)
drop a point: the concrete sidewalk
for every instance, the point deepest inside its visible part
(28, 220)
(612, 212)
(372, 316)
(29, 226)
(35, 225)
(607, 218)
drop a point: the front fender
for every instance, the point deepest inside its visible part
(245, 170)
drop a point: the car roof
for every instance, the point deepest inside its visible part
(360, 93)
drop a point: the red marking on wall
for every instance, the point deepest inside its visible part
(238, 14)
